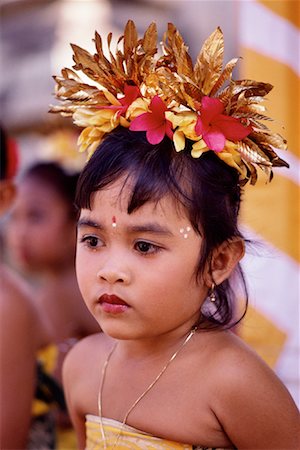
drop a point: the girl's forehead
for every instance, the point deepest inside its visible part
(36, 187)
(117, 196)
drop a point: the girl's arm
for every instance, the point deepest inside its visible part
(74, 380)
(254, 407)
(17, 366)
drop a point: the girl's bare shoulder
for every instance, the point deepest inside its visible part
(86, 353)
(82, 371)
(237, 377)
(17, 311)
(245, 394)
(230, 360)
(226, 347)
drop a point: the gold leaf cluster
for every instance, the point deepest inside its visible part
(179, 83)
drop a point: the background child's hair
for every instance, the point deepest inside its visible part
(54, 176)
(207, 188)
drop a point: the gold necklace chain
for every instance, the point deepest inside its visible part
(189, 336)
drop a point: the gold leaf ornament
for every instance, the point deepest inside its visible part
(186, 90)
(209, 63)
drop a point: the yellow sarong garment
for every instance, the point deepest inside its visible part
(130, 438)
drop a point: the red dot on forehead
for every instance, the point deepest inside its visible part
(114, 221)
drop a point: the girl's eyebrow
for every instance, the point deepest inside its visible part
(151, 227)
(89, 223)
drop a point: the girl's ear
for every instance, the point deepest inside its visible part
(224, 260)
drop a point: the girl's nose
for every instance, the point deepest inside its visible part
(112, 273)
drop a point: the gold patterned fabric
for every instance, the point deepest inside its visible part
(130, 438)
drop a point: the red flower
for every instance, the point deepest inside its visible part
(131, 93)
(216, 127)
(154, 123)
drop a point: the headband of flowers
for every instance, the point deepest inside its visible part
(168, 95)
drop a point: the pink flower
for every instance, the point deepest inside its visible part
(131, 93)
(154, 123)
(215, 127)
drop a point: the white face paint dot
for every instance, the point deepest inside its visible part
(185, 231)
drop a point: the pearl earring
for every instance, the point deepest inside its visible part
(212, 295)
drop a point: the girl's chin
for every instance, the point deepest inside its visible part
(118, 331)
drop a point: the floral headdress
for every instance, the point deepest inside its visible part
(168, 95)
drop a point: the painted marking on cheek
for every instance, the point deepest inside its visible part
(114, 222)
(185, 232)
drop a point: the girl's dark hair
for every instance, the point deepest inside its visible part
(53, 175)
(208, 189)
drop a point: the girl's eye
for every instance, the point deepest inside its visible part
(37, 216)
(91, 241)
(146, 247)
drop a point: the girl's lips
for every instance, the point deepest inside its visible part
(112, 304)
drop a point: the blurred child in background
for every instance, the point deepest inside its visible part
(19, 328)
(40, 239)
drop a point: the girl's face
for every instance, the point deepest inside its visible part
(40, 236)
(137, 272)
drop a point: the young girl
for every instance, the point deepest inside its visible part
(19, 328)
(158, 246)
(41, 238)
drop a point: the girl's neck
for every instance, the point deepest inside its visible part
(152, 348)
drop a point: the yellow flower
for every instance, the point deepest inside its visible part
(182, 118)
(89, 139)
(184, 124)
(124, 122)
(105, 119)
(198, 148)
(137, 107)
(111, 98)
(179, 140)
(232, 157)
